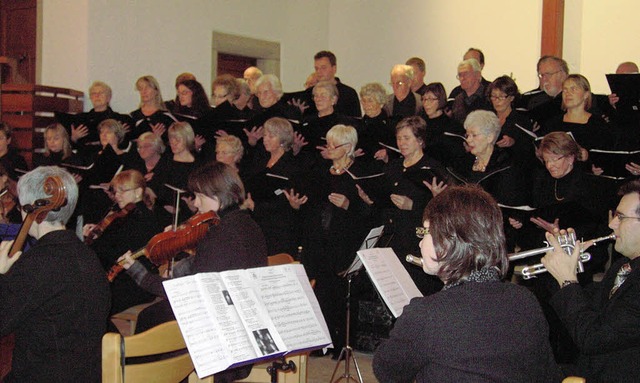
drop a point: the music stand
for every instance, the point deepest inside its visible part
(346, 354)
(178, 192)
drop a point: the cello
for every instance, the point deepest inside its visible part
(164, 246)
(38, 210)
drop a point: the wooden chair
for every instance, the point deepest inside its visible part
(280, 259)
(126, 320)
(161, 339)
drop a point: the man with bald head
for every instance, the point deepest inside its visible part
(251, 75)
(403, 102)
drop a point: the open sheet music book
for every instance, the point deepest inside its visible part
(389, 277)
(238, 317)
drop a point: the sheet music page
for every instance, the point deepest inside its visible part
(222, 310)
(292, 306)
(198, 329)
(390, 278)
(260, 329)
(370, 241)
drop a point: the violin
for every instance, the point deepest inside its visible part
(8, 201)
(164, 246)
(101, 226)
(38, 211)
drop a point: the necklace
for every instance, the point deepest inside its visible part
(336, 170)
(555, 191)
(479, 167)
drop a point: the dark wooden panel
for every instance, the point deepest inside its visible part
(18, 20)
(552, 27)
(234, 65)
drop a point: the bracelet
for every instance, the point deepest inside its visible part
(567, 283)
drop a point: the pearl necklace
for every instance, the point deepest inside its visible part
(477, 167)
(338, 171)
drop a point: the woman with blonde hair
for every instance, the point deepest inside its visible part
(152, 114)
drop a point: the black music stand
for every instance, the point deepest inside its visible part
(346, 354)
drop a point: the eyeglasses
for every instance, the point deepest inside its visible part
(147, 146)
(398, 83)
(548, 74)
(552, 160)
(421, 232)
(461, 75)
(431, 99)
(331, 147)
(472, 135)
(501, 98)
(622, 217)
(220, 96)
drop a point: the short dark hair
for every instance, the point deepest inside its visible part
(327, 54)
(417, 61)
(215, 179)
(506, 85)
(438, 90)
(630, 188)
(417, 125)
(466, 225)
(480, 54)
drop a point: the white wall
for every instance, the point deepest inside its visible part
(604, 34)
(118, 41)
(64, 47)
(370, 36)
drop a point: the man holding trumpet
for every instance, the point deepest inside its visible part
(603, 318)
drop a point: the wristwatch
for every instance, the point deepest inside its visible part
(567, 283)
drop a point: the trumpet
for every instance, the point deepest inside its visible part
(568, 244)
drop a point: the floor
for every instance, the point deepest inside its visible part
(320, 369)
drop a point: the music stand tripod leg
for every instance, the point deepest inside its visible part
(347, 351)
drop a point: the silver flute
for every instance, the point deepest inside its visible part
(567, 242)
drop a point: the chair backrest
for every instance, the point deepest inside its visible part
(164, 338)
(280, 259)
(574, 379)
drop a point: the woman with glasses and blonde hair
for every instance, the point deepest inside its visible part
(472, 330)
(336, 221)
(132, 226)
(152, 115)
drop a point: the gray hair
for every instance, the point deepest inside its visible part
(103, 85)
(328, 85)
(473, 63)
(345, 135)
(154, 140)
(243, 86)
(282, 129)
(272, 79)
(374, 90)
(487, 121)
(31, 188)
(407, 70)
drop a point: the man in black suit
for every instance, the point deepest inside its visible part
(604, 318)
